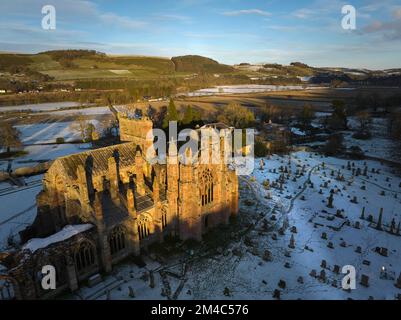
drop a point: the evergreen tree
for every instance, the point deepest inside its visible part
(172, 114)
(307, 115)
(188, 116)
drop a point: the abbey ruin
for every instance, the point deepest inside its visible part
(101, 206)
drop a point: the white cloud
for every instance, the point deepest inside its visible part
(121, 21)
(247, 11)
(174, 17)
(389, 30)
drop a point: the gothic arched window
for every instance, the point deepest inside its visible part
(117, 240)
(206, 188)
(164, 218)
(6, 289)
(143, 227)
(84, 256)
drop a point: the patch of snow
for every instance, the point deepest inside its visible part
(64, 234)
(297, 132)
(247, 88)
(120, 71)
(41, 106)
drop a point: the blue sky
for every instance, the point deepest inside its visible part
(230, 31)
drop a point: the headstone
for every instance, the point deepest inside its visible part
(379, 221)
(398, 283)
(324, 236)
(226, 292)
(358, 249)
(282, 284)
(267, 256)
(313, 273)
(336, 269)
(131, 292)
(276, 294)
(152, 280)
(300, 280)
(292, 242)
(322, 275)
(323, 264)
(330, 245)
(330, 201)
(392, 226)
(364, 280)
(94, 280)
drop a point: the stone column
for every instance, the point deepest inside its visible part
(114, 178)
(172, 185)
(83, 187)
(103, 239)
(71, 275)
(190, 220)
(158, 209)
(140, 181)
(132, 223)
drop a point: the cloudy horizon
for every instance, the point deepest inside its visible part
(230, 31)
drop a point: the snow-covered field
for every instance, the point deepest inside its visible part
(84, 111)
(18, 209)
(48, 132)
(251, 264)
(380, 145)
(250, 88)
(50, 106)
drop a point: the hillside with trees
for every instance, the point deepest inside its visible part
(199, 64)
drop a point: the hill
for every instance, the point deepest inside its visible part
(199, 64)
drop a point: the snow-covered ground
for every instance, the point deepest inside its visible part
(40, 153)
(249, 88)
(64, 234)
(255, 255)
(84, 111)
(40, 106)
(18, 209)
(380, 145)
(48, 132)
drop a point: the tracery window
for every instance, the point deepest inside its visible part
(164, 218)
(117, 240)
(206, 188)
(143, 228)
(84, 256)
(6, 289)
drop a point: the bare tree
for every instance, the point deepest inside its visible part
(364, 119)
(9, 136)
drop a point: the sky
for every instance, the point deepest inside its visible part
(229, 31)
